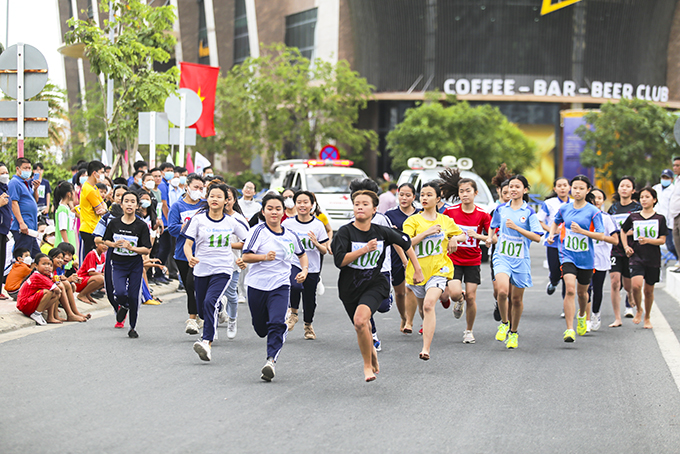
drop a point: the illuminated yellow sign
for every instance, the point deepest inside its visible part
(549, 7)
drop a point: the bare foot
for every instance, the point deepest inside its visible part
(76, 318)
(62, 319)
(616, 324)
(87, 316)
(84, 299)
(369, 375)
(424, 356)
(648, 324)
(403, 325)
(638, 317)
(408, 329)
(54, 320)
(92, 300)
(374, 361)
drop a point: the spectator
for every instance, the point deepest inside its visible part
(44, 193)
(248, 205)
(208, 173)
(107, 171)
(165, 244)
(20, 269)
(47, 243)
(674, 207)
(64, 215)
(92, 207)
(664, 190)
(24, 207)
(5, 221)
(119, 181)
(388, 200)
(137, 180)
(74, 170)
(91, 273)
(177, 186)
(67, 287)
(39, 293)
(139, 166)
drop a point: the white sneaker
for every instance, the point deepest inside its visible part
(39, 319)
(595, 321)
(241, 299)
(223, 317)
(199, 321)
(320, 289)
(588, 328)
(192, 326)
(268, 371)
(231, 328)
(468, 338)
(202, 348)
(458, 307)
(562, 315)
(629, 313)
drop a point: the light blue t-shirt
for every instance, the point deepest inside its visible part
(513, 248)
(575, 247)
(22, 191)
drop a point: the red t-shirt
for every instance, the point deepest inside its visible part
(469, 252)
(31, 286)
(92, 262)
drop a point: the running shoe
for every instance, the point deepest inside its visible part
(241, 299)
(458, 307)
(268, 371)
(562, 315)
(320, 288)
(502, 333)
(38, 318)
(512, 341)
(132, 334)
(569, 335)
(231, 328)
(120, 324)
(152, 302)
(582, 327)
(199, 322)
(550, 289)
(291, 320)
(202, 349)
(222, 317)
(496, 312)
(468, 338)
(121, 314)
(595, 321)
(421, 330)
(629, 313)
(446, 304)
(309, 332)
(192, 326)
(376, 342)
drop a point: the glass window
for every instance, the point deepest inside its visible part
(300, 32)
(329, 183)
(241, 42)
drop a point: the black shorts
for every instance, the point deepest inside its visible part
(620, 265)
(652, 275)
(398, 274)
(372, 298)
(470, 274)
(583, 276)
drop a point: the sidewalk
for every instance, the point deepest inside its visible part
(11, 319)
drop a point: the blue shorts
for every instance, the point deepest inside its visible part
(519, 280)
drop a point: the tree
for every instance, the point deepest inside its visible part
(142, 37)
(88, 127)
(281, 104)
(482, 133)
(632, 137)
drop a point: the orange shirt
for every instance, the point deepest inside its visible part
(16, 275)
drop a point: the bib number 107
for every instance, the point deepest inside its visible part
(511, 249)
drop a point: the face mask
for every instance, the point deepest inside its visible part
(138, 181)
(169, 175)
(146, 204)
(665, 183)
(150, 185)
(28, 260)
(209, 175)
(102, 178)
(4, 178)
(49, 239)
(196, 194)
(83, 179)
(182, 180)
(174, 182)
(288, 202)
(26, 174)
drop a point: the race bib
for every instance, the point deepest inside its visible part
(575, 242)
(369, 260)
(41, 192)
(219, 240)
(99, 267)
(469, 242)
(510, 247)
(184, 216)
(122, 251)
(648, 229)
(288, 250)
(431, 245)
(306, 241)
(619, 219)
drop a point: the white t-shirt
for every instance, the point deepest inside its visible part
(663, 202)
(265, 275)
(249, 207)
(302, 230)
(212, 240)
(603, 249)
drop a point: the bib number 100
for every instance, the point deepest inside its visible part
(511, 248)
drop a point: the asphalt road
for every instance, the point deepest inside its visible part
(89, 388)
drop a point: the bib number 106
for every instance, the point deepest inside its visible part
(576, 244)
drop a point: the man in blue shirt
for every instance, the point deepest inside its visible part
(139, 166)
(165, 246)
(21, 190)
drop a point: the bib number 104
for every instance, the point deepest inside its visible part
(429, 247)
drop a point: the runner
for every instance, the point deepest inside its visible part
(270, 248)
(359, 252)
(405, 299)
(648, 231)
(467, 259)
(500, 180)
(432, 236)
(210, 230)
(288, 203)
(603, 262)
(518, 226)
(623, 205)
(312, 235)
(558, 197)
(581, 223)
(128, 237)
(179, 215)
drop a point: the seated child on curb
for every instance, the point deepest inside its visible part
(70, 261)
(67, 300)
(39, 292)
(20, 269)
(47, 240)
(91, 273)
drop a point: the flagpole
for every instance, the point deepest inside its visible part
(182, 129)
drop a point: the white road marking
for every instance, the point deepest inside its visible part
(668, 343)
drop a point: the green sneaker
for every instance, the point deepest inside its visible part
(502, 333)
(569, 335)
(512, 340)
(582, 327)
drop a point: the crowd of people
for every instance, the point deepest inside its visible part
(93, 237)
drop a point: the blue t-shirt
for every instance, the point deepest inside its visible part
(513, 248)
(179, 214)
(43, 190)
(575, 247)
(163, 187)
(21, 191)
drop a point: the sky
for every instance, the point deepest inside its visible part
(35, 22)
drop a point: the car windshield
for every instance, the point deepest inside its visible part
(481, 198)
(328, 183)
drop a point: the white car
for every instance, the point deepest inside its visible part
(328, 180)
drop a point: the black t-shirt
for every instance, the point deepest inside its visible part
(619, 214)
(652, 227)
(364, 272)
(136, 233)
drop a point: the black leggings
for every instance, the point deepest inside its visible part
(187, 274)
(306, 290)
(596, 288)
(555, 267)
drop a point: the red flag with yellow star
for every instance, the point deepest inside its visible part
(203, 80)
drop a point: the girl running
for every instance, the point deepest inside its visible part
(359, 252)
(270, 248)
(433, 235)
(500, 180)
(603, 262)
(405, 299)
(128, 238)
(558, 197)
(467, 259)
(518, 226)
(581, 224)
(648, 231)
(312, 235)
(210, 230)
(623, 205)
